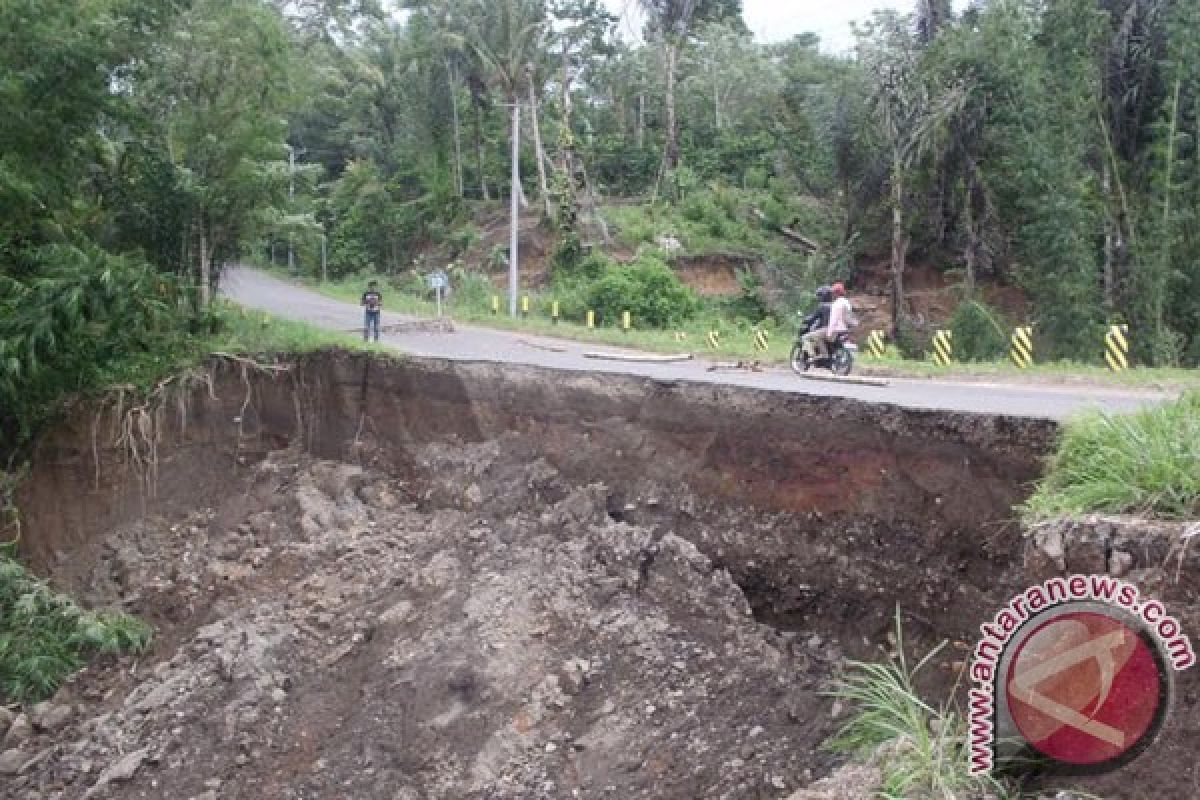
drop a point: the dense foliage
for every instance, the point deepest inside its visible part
(1048, 145)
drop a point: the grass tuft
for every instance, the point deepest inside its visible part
(1142, 463)
(926, 747)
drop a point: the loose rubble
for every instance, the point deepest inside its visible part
(489, 631)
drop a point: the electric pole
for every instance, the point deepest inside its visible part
(513, 256)
(291, 197)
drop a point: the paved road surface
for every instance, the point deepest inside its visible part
(258, 290)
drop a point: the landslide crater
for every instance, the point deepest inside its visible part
(431, 580)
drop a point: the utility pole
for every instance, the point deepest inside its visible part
(291, 197)
(324, 261)
(515, 211)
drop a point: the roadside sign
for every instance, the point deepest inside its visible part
(439, 282)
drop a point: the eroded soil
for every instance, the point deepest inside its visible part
(333, 632)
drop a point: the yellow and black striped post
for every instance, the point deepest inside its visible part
(626, 321)
(554, 312)
(496, 304)
(943, 348)
(876, 345)
(762, 340)
(591, 319)
(714, 340)
(1022, 347)
(1116, 351)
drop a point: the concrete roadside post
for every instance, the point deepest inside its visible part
(1116, 351)
(591, 319)
(1022, 347)
(876, 345)
(554, 312)
(626, 321)
(943, 348)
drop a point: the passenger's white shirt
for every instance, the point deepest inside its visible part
(840, 316)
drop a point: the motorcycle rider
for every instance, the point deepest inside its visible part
(816, 325)
(841, 316)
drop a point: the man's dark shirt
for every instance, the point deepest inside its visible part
(819, 319)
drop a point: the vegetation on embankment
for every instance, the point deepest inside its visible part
(45, 636)
(1142, 463)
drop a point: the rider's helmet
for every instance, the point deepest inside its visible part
(839, 290)
(825, 295)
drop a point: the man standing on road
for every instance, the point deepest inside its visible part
(372, 303)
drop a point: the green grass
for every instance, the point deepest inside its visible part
(1143, 463)
(246, 332)
(927, 753)
(1065, 372)
(45, 636)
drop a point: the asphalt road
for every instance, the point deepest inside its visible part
(258, 290)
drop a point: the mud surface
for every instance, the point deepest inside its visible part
(425, 580)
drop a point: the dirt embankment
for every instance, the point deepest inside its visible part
(427, 580)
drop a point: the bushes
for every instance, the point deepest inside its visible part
(980, 333)
(648, 289)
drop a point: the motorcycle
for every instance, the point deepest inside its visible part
(840, 360)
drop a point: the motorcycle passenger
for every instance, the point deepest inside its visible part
(841, 316)
(816, 325)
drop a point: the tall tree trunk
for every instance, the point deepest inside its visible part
(458, 161)
(568, 136)
(618, 102)
(971, 255)
(479, 157)
(899, 244)
(671, 151)
(716, 88)
(594, 204)
(670, 158)
(543, 184)
(1110, 245)
(640, 135)
(205, 267)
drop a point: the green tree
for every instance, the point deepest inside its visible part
(225, 68)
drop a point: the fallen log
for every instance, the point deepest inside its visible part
(641, 358)
(858, 381)
(795, 236)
